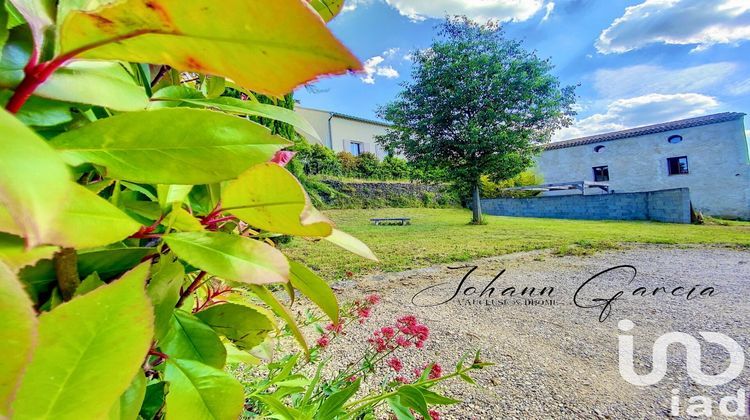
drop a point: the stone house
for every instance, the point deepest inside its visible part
(341, 132)
(708, 154)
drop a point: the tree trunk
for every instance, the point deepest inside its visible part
(477, 207)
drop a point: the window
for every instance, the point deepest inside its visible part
(355, 148)
(599, 149)
(678, 165)
(674, 139)
(601, 173)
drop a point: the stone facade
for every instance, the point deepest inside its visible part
(671, 206)
(716, 150)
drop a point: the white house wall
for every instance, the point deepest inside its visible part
(346, 131)
(343, 131)
(718, 165)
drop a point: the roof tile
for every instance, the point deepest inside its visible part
(648, 129)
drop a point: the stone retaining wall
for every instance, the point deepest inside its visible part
(671, 206)
(388, 194)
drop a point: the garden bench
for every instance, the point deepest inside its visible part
(392, 221)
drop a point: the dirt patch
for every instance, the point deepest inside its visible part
(555, 359)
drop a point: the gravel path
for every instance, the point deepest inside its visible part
(558, 360)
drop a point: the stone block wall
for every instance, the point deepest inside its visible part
(388, 194)
(671, 206)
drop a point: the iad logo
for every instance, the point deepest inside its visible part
(703, 405)
(693, 350)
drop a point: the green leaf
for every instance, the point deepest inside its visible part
(212, 86)
(129, 403)
(243, 326)
(431, 397)
(231, 257)
(40, 112)
(164, 291)
(279, 409)
(140, 189)
(331, 406)
(315, 288)
(14, 56)
(189, 338)
(267, 56)
(235, 355)
(108, 263)
(39, 14)
(412, 398)
(198, 391)
(282, 311)
(168, 194)
(269, 197)
(467, 378)
(3, 25)
(108, 330)
(327, 9)
(14, 254)
(181, 220)
(86, 221)
(101, 83)
(18, 333)
(200, 147)
(91, 282)
(172, 96)
(89, 221)
(153, 401)
(351, 244)
(401, 411)
(257, 109)
(34, 182)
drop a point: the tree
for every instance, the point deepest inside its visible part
(479, 104)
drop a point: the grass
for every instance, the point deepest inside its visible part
(444, 235)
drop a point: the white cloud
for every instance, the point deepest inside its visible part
(478, 10)
(390, 52)
(352, 5)
(549, 8)
(640, 110)
(644, 79)
(682, 22)
(374, 66)
(739, 88)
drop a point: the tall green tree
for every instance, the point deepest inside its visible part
(478, 104)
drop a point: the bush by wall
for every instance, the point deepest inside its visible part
(491, 189)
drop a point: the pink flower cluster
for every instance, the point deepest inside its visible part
(361, 309)
(407, 331)
(436, 371)
(409, 326)
(395, 364)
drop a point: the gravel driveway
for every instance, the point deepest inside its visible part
(556, 359)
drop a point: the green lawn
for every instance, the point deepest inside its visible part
(443, 235)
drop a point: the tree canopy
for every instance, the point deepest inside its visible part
(478, 104)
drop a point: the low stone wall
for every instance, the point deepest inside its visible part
(671, 206)
(388, 194)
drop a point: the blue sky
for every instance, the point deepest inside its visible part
(638, 62)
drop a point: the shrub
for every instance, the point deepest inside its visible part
(135, 229)
(348, 164)
(395, 168)
(491, 189)
(320, 160)
(368, 166)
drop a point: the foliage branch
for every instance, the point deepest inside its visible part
(479, 104)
